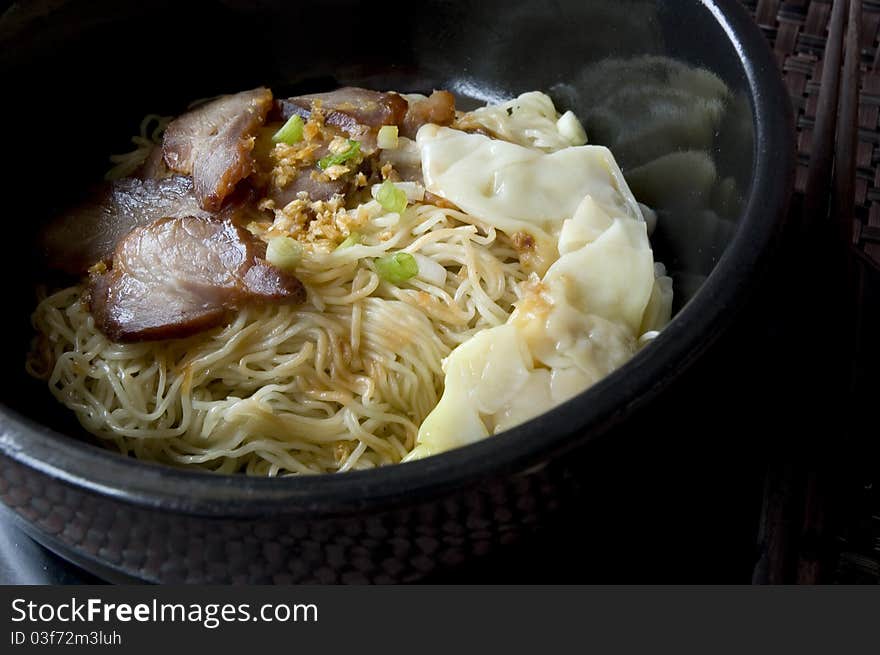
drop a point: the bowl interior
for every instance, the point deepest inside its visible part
(660, 83)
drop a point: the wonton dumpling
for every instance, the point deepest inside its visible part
(571, 328)
(516, 188)
(529, 120)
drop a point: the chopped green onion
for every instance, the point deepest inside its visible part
(284, 253)
(291, 132)
(397, 268)
(387, 137)
(391, 198)
(353, 150)
(351, 240)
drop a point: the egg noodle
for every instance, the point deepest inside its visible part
(150, 133)
(346, 380)
(341, 382)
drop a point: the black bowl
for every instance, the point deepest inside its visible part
(686, 94)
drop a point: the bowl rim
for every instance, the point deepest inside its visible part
(583, 418)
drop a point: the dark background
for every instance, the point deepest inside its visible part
(694, 491)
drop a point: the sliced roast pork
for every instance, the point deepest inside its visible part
(317, 188)
(357, 112)
(179, 276)
(213, 143)
(154, 166)
(438, 108)
(88, 234)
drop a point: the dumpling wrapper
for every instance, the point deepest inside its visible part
(576, 325)
(529, 120)
(518, 189)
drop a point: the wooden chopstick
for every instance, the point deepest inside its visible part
(835, 236)
(815, 207)
(785, 504)
(843, 198)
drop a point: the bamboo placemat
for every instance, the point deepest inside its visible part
(821, 527)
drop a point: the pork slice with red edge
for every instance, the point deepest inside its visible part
(438, 108)
(349, 108)
(153, 166)
(213, 143)
(179, 276)
(357, 112)
(88, 233)
(317, 188)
